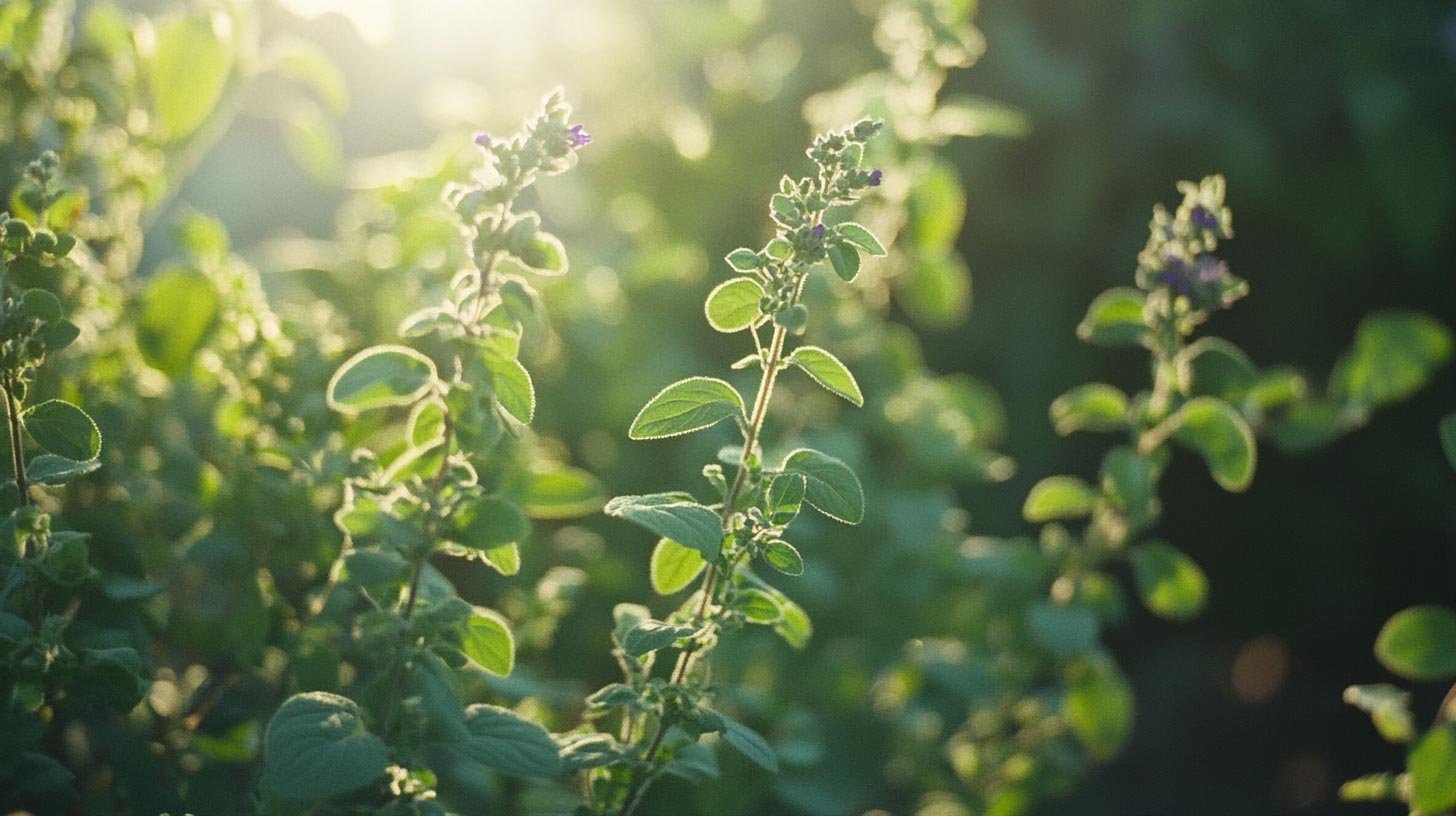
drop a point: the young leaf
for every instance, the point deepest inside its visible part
(650, 635)
(1115, 318)
(502, 739)
(512, 385)
(743, 260)
(733, 305)
(1212, 366)
(487, 640)
(758, 607)
(1169, 582)
(782, 556)
(1419, 643)
(829, 485)
(861, 237)
(1389, 710)
(1058, 497)
(317, 746)
(674, 566)
(544, 254)
(380, 377)
(795, 627)
(686, 406)
(1214, 429)
(1099, 708)
(826, 369)
(670, 515)
(845, 260)
(63, 429)
(1394, 354)
(1090, 407)
(785, 497)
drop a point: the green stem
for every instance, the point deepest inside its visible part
(710, 578)
(17, 461)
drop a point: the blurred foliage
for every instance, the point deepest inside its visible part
(944, 673)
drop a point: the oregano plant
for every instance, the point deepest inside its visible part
(58, 661)
(660, 713)
(387, 660)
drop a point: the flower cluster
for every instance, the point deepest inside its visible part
(1178, 263)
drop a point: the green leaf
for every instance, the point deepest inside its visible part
(845, 260)
(1058, 497)
(504, 558)
(1212, 366)
(178, 311)
(504, 740)
(317, 747)
(1447, 430)
(782, 556)
(1099, 708)
(1432, 766)
(1090, 407)
(686, 406)
(63, 429)
(49, 469)
(186, 67)
(1115, 318)
(489, 521)
(1394, 354)
(1214, 429)
(757, 606)
(42, 304)
(670, 515)
(487, 640)
(1389, 710)
(313, 140)
(743, 260)
(860, 236)
(830, 486)
(826, 369)
(512, 385)
(749, 743)
(544, 254)
(733, 305)
(650, 635)
(1169, 582)
(426, 424)
(380, 377)
(561, 493)
(674, 566)
(785, 497)
(1419, 643)
(794, 627)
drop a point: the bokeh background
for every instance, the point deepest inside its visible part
(1335, 123)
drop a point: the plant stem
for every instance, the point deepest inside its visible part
(710, 578)
(396, 683)
(17, 461)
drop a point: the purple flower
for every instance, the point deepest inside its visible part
(1200, 280)
(482, 139)
(578, 137)
(818, 233)
(876, 177)
(1203, 219)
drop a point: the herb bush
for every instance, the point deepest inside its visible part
(350, 543)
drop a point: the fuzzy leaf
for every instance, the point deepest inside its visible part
(686, 406)
(826, 369)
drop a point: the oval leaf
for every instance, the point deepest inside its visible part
(829, 485)
(1214, 429)
(826, 369)
(686, 406)
(380, 377)
(63, 429)
(1058, 497)
(670, 515)
(1419, 643)
(317, 747)
(674, 566)
(733, 305)
(487, 640)
(1169, 582)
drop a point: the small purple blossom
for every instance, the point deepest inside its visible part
(482, 139)
(1203, 219)
(579, 137)
(818, 233)
(876, 177)
(1199, 280)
